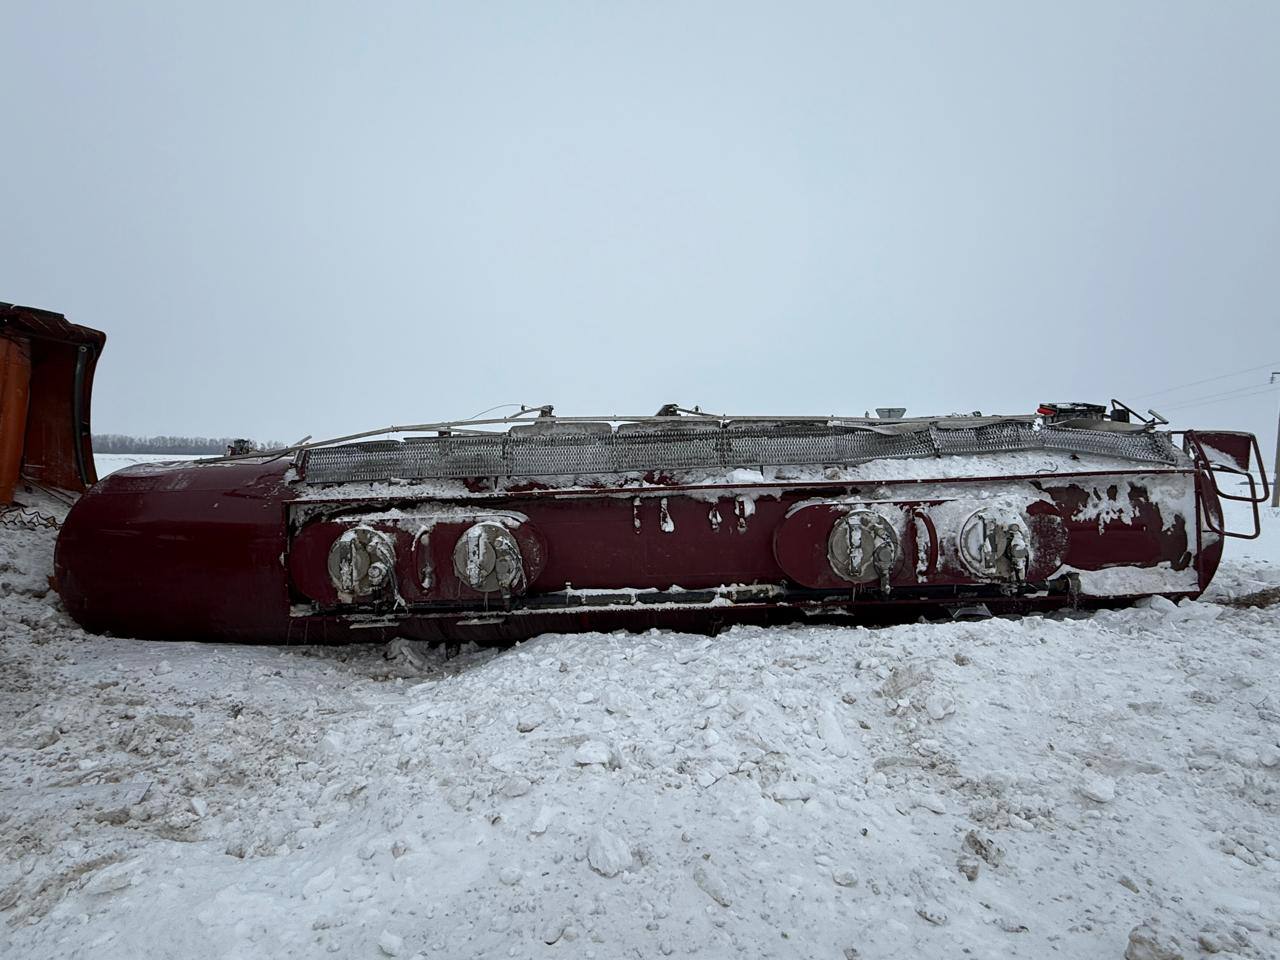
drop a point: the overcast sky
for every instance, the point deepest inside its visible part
(317, 217)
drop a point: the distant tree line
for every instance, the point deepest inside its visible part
(210, 446)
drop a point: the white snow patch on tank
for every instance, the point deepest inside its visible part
(1104, 507)
(1172, 495)
(1132, 581)
(920, 468)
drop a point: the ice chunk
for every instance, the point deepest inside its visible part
(593, 751)
(390, 944)
(711, 885)
(939, 705)
(1101, 789)
(319, 883)
(608, 854)
(831, 733)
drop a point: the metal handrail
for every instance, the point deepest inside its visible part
(450, 425)
(1209, 469)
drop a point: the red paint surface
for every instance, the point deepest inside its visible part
(206, 552)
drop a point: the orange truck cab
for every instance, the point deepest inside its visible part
(46, 381)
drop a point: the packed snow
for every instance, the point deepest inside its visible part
(109, 463)
(1074, 786)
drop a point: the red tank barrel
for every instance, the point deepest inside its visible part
(493, 537)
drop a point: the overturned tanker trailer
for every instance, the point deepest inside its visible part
(493, 530)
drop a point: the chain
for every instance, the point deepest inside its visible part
(26, 519)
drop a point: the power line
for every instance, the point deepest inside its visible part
(1214, 396)
(1196, 383)
(1220, 398)
(1205, 403)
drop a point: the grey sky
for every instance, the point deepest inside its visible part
(314, 217)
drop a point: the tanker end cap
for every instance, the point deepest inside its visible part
(360, 564)
(487, 559)
(994, 547)
(863, 547)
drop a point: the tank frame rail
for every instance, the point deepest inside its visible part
(695, 445)
(1242, 450)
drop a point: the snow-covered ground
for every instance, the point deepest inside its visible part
(1077, 786)
(109, 463)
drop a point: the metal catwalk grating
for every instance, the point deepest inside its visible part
(720, 447)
